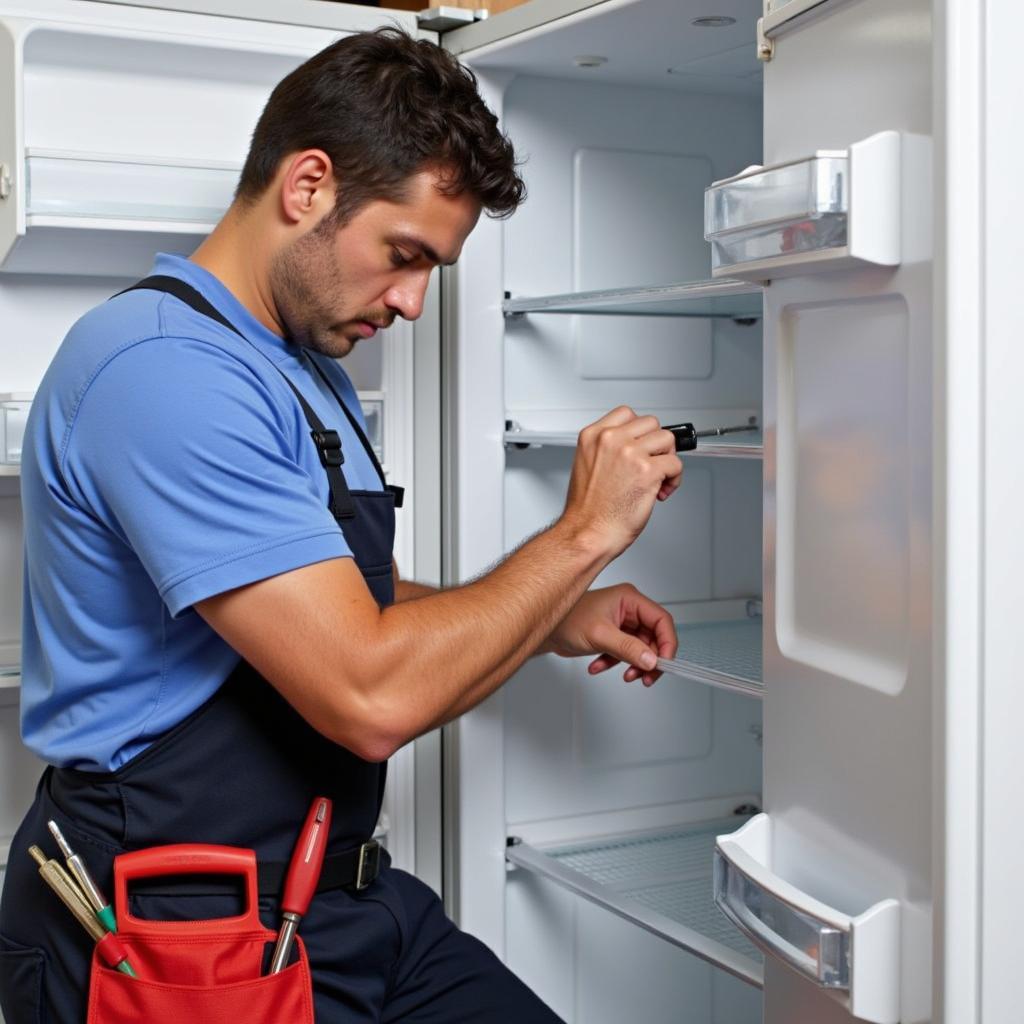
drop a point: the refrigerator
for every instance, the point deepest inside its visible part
(796, 216)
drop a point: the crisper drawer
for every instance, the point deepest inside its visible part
(658, 880)
(832, 209)
(856, 959)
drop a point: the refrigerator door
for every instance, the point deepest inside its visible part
(848, 536)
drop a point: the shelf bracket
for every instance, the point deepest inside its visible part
(765, 46)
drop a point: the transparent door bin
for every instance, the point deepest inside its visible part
(75, 185)
(855, 959)
(833, 209)
(14, 409)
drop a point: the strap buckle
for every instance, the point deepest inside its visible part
(369, 864)
(328, 445)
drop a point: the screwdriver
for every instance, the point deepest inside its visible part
(303, 875)
(687, 435)
(90, 889)
(111, 950)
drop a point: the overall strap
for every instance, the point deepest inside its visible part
(398, 492)
(328, 443)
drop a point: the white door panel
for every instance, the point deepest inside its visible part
(848, 511)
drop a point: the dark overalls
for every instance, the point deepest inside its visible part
(242, 771)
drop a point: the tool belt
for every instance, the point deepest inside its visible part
(203, 972)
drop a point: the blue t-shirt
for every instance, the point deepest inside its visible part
(165, 460)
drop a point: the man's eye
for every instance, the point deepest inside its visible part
(399, 259)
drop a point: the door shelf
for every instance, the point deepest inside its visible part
(728, 446)
(661, 881)
(726, 655)
(856, 958)
(722, 299)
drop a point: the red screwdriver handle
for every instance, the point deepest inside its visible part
(307, 859)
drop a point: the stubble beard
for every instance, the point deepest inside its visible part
(304, 282)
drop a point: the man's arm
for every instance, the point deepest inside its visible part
(409, 590)
(373, 679)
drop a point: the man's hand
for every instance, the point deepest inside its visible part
(618, 624)
(623, 464)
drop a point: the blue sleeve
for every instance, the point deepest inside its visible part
(184, 452)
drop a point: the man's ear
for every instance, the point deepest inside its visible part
(307, 187)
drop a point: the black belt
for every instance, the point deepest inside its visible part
(351, 869)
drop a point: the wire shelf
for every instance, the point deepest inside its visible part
(721, 299)
(669, 873)
(728, 446)
(661, 881)
(723, 654)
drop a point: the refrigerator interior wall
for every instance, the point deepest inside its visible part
(616, 173)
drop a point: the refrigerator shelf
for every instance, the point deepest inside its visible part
(728, 446)
(660, 881)
(726, 655)
(10, 685)
(722, 299)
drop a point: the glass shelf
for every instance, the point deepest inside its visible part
(722, 299)
(726, 655)
(661, 881)
(728, 446)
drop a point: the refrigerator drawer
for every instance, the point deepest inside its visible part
(660, 881)
(833, 209)
(855, 959)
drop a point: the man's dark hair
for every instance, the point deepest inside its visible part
(384, 106)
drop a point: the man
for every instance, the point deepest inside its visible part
(214, 629)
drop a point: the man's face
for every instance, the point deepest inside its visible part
(337, 285)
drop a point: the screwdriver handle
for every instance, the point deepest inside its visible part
(685, 435)
(308, 858)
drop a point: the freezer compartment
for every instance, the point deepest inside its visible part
(660, 881)
(833, 206)
(855, 958)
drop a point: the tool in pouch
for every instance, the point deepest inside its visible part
(206, 971)
(109, 949)
(303, 875)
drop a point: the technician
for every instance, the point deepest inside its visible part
(214, 628)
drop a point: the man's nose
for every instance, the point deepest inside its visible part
(406, 298)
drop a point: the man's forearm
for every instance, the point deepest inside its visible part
(440, 654)
(410, 590)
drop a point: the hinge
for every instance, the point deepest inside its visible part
(5, 181)
(445, 19)
(765, 46)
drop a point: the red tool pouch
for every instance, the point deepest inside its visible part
(199, 972)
